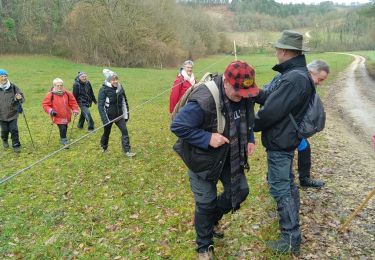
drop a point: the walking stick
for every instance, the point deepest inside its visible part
(27, 125)
(71, 129)
(50, 132)
(350, 218)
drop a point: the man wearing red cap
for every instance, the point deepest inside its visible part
(212, 156)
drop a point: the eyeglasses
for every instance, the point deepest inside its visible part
(59, 85)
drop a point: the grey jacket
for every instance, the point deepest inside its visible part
(8, 103)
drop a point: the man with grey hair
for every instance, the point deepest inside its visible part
(319, 71)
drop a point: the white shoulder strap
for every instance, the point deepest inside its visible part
(211, 85)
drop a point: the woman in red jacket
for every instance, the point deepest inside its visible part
(59, 104)
(184, 80)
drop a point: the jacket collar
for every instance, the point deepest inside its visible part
(298, 61)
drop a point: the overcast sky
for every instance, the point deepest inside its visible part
(318, 1)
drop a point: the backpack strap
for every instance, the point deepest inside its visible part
(211, 85)
(311, 98)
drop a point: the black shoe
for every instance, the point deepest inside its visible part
(218, 231)
(17, 149)
(310, 183)
(283, 247)
(208, 254)
(5, 144)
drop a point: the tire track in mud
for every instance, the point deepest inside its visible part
(343, 157)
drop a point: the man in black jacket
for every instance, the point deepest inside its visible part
(212, 156)
(292, 91)
(84, 95)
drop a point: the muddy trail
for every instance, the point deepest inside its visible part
(343, 157)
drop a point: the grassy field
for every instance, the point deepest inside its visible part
(81, 203)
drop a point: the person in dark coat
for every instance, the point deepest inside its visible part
(84, 95)
(113, 108)
(212, 156)
(293, 89)
(319, 71)
(10, 99)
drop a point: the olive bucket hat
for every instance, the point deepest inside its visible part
(290, 40)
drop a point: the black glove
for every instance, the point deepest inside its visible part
(53, 113)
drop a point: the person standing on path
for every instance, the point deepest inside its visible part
(292, 92)
(319, 71)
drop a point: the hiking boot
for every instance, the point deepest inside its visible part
(218, 231)
(64, 142)
(283, 247)
(17, 149)
(104, 150)
(130, 154)
(310, 183)
(207, 255)
(5, 144)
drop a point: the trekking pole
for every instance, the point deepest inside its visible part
(28, 129)
(71, 129)
(50, 132)
(350, 218)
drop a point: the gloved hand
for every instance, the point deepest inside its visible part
(53, 113)
(18, 96)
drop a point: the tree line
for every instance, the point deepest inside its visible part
(158, 33)
(151, 33)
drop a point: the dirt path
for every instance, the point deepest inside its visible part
(343, 157)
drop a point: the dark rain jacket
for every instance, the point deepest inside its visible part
(83, 93)
(112, 103)
(8, 103)
(291, 94)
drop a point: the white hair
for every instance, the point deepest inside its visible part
(57, 80)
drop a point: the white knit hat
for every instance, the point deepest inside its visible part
(109, 74)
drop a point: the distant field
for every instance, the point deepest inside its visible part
(252, 39)
(84, 204)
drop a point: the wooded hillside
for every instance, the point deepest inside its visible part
(158, 33)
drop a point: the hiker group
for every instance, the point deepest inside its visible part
(60, 104)
(215, 124)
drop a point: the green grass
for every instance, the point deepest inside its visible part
(84, 204)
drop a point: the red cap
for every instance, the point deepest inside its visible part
(242, 77)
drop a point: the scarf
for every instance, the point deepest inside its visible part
(58, 92)
(191, 78)
(5, 86)
(237, 150)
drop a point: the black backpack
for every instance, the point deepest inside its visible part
(314, 119)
